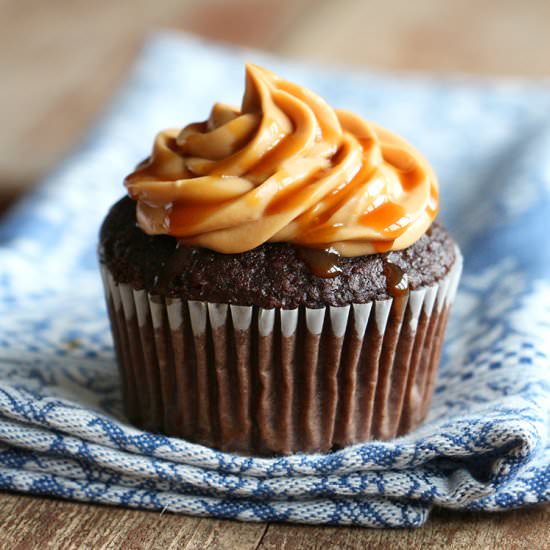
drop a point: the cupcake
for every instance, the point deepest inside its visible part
(275, 279)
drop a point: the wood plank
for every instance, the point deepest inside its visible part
(66, 59)
(518, 529)
(493, 37)
(226, 535)
(60, 78)
(36, 522)
(29, 522)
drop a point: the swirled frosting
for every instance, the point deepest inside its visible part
(285, 167)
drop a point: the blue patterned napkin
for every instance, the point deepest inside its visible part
(485, 445)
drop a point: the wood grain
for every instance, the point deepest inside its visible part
(64, 60)
(61, 60)
(492, 37)
(527, 529)
(31, 522)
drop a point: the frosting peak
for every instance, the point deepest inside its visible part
(285, 167)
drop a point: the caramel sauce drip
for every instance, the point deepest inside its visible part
(321, 262)
(397, 280)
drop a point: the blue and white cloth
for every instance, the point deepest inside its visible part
(485, 445)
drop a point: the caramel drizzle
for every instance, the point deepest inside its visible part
(284, 167)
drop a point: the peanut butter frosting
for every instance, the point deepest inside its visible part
(285, 167)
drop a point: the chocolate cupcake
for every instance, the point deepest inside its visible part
(275, 280)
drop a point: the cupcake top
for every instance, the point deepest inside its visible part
(273, 275)
(285, 167)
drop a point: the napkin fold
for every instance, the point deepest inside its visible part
(485, 444)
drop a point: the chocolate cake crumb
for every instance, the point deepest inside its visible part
(272, 275)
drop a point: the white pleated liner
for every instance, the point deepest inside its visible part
(396, 396)
(203, 314)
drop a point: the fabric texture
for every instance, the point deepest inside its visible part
(485, 444)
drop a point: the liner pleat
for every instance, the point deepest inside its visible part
(272, 382)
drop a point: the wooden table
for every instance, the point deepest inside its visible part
(59, 63)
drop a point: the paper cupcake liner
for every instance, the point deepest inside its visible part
(274, 381)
